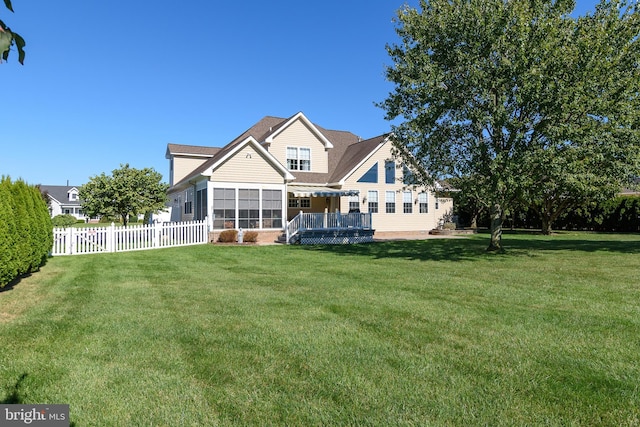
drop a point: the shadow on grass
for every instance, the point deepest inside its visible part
(9, 286)
(14, 396)
(600, 243)
(469, 249)
(422, 250)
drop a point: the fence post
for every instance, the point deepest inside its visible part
(156, 234)
(111, 238)
(69, 245)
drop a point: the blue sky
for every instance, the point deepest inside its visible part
(107, 83)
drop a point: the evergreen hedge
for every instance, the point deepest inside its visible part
(26, 232)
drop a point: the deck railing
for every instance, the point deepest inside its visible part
(327, 221)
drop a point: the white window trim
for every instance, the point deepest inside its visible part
(298, 158)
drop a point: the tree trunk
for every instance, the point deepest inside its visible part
(474, 221)
(546, 225)
(496, 228)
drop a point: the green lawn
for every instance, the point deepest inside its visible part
(433, 332)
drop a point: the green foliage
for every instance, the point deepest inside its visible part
(10, 38)
(621, 213)
(8, 237)
(126, 193)
(524, 100)
(228, 236)
(42, 229)
(22, 245)
(63, 220)
(26, 234)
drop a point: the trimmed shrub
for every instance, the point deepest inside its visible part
(41, 229)
(26, 234)
(21, 215)
(63, 220)
(8, 261)
(228, 236)
(250, 236)
(449, 226)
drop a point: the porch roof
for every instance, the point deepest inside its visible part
(304, 191)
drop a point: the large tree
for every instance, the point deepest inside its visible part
(127, 192)
(518, 95)
(10, 38)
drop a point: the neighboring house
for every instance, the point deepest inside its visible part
(63, 199)
(283, 166)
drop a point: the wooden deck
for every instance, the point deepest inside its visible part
(330, 228)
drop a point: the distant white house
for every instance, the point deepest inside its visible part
(63, 199)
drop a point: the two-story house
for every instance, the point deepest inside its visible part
(280, 167)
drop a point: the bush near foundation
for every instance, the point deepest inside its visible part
(250, 237)
(228, 236)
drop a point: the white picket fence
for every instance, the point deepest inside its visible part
(72, 241)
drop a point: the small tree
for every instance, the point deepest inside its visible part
(128, 191)
(10, 38)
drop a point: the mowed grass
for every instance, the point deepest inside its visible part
(433, 332)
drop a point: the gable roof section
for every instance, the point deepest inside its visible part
(226, 154)
(355, 155)
(341, 141)
(223, 154)
(293, 119)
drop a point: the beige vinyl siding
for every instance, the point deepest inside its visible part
(299, 135)
(247, 165)
(398, 221)
(183, 166)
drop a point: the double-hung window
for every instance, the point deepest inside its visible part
(305, 159)
(423, 202)
(372, 201)
(390, 201)
(299, 158)
(407, 204)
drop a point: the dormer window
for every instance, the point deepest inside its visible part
(299, 159)
(73, 195)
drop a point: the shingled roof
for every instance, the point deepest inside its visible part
(347, 151)
(60, 193)
(190, 150)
